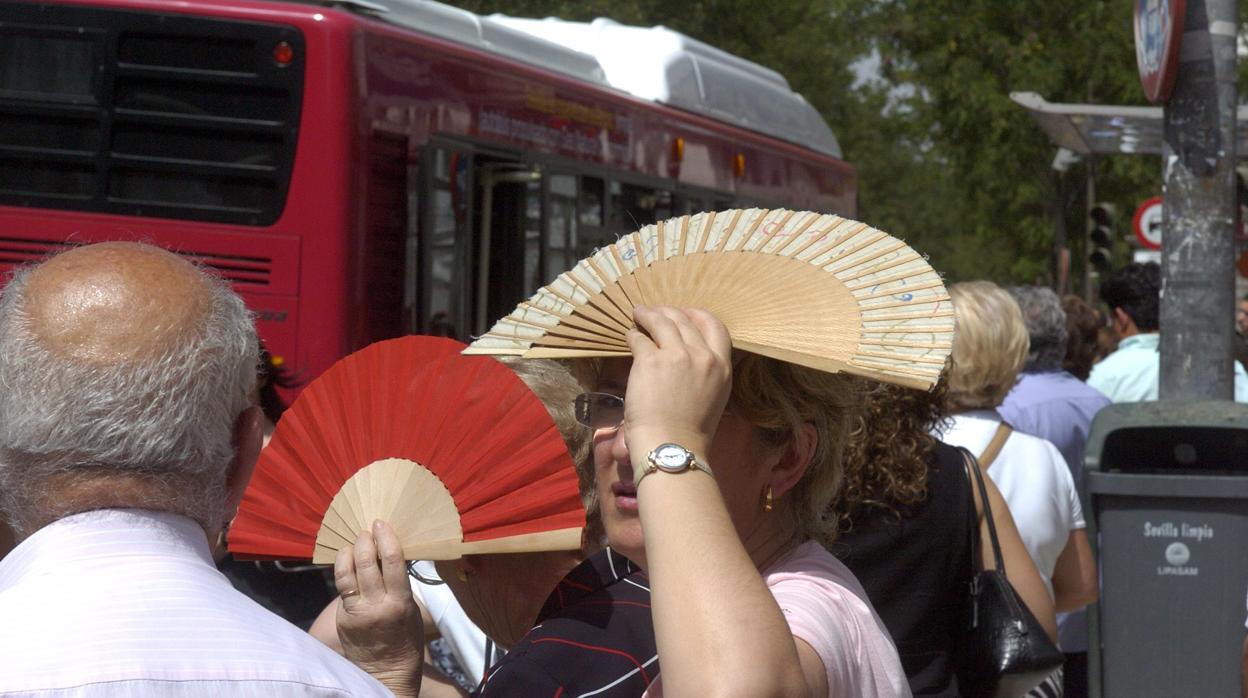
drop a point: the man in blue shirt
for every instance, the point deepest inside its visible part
(1047, 401)
(1131, 373)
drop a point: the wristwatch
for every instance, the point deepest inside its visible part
(670, 458)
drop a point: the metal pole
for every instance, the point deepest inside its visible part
(1059, 232)
(1090, 292)
(1197, 267)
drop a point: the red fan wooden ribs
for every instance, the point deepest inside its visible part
(454, 451)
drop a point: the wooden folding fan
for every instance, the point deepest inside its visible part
(453, 451)
(816, 290)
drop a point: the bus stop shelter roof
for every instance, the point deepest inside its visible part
(1101, 129)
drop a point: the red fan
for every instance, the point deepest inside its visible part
(454, 451)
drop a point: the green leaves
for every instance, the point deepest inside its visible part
(966, 57)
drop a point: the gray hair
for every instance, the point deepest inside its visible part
(167, 418)
(1046, 326)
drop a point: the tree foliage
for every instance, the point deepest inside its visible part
(945, 159)
(965, 59)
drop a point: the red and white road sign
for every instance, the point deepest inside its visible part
(1147, 223)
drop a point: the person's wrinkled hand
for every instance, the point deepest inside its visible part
(680, 378)
(378, 621)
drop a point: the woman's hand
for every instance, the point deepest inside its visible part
(680, 378)
(378, 621)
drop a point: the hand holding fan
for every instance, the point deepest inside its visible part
(454, 451)
(816, 290)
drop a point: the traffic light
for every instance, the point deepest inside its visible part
(1101, 237)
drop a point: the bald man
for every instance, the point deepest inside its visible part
(126, 440)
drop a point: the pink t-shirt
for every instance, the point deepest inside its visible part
(828, 610)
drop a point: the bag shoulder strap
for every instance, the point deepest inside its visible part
(973, 516)
(994, 446)
(977, 481)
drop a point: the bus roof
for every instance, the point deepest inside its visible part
(485, 33)
(662, 65)
(652, 63)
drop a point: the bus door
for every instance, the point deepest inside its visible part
(537, 220)
(510, 235)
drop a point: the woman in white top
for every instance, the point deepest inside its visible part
(988, 352)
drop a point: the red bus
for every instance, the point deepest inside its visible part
(360, 172)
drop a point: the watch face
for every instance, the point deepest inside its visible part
(671, 458)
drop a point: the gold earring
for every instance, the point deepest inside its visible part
(461, 573)
(767, 499)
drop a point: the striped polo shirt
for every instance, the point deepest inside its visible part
(593, 637)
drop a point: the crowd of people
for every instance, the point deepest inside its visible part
(819, 541)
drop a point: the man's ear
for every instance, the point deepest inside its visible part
(247, 438)
(794, 460)
(1122, 321)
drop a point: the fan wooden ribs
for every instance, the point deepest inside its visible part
(817, 290)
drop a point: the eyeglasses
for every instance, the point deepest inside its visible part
(599, 410)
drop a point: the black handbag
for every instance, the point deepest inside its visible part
(1005, 652)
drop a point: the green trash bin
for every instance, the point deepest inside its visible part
(1166, 500)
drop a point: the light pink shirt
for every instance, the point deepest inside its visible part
(128, 603)
(827, 609)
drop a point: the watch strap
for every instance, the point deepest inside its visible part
(646, 470)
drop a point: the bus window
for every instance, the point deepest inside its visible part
(440, 317)
(632, 207)
(561, 240)
(589, 208)
(532, 236)
(445, 245)
(664, 205)
(592, 232)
